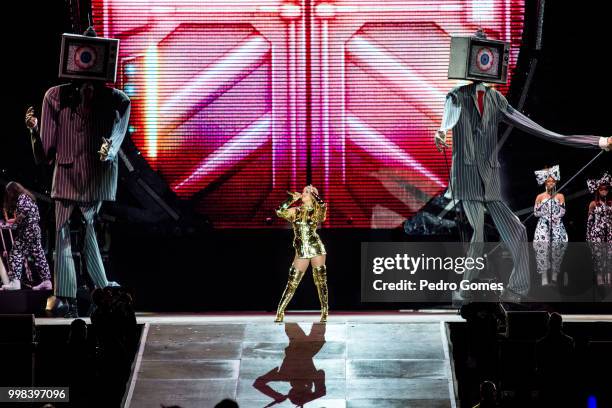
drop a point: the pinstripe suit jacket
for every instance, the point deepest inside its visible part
(71, 137)
(475, 173)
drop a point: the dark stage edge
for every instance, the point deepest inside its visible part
(395, 359)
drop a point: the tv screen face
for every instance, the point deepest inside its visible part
(485, 60)
(88, 57)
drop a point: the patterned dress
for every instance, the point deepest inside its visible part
(550, 225)
(27, 241)
(599, 237)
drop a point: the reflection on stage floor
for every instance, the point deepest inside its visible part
(263, 364)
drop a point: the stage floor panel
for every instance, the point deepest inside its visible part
(339, 364)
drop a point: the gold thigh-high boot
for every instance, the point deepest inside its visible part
(295, 276)
(319, 274)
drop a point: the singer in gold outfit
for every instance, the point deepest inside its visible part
(308, 246)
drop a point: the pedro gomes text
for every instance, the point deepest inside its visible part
(412, 265)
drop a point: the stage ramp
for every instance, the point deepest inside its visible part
(263, 364)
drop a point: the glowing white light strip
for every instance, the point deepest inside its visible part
(400, 7)
(200, 7)
(151, 66)
(325, 103)
(292, 91)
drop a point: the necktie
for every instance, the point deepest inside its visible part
(480, 95)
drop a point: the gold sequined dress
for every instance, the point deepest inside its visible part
(305, 220)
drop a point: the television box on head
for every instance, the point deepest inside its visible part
(84, 57)
(478, 59)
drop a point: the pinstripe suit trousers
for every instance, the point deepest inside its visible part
(475, 174)
(65, 274)
(512, 233)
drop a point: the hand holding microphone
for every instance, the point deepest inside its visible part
(295, 195)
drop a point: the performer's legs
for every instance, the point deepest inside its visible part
(513, 233)
(474, 210)
(597, 260)
(296, 272)
(65, 274)
(609, 262)
(93, 259)
(319, 274)
(557, 256)
(542, 257)
(16, 260)
(4, 279)
(37, 252)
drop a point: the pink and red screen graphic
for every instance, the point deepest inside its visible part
(235, 102)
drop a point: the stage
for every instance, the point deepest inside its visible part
(390, 359)
(166, 158)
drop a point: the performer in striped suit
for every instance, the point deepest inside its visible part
(81, 129)
(473, 112)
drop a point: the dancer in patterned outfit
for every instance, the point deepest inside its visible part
(309, 249)
(550, 239)
(21, 203)
(3, 273)
(599, 228)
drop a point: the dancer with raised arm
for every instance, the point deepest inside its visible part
(309, 249)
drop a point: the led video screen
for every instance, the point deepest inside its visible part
(235, 102)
